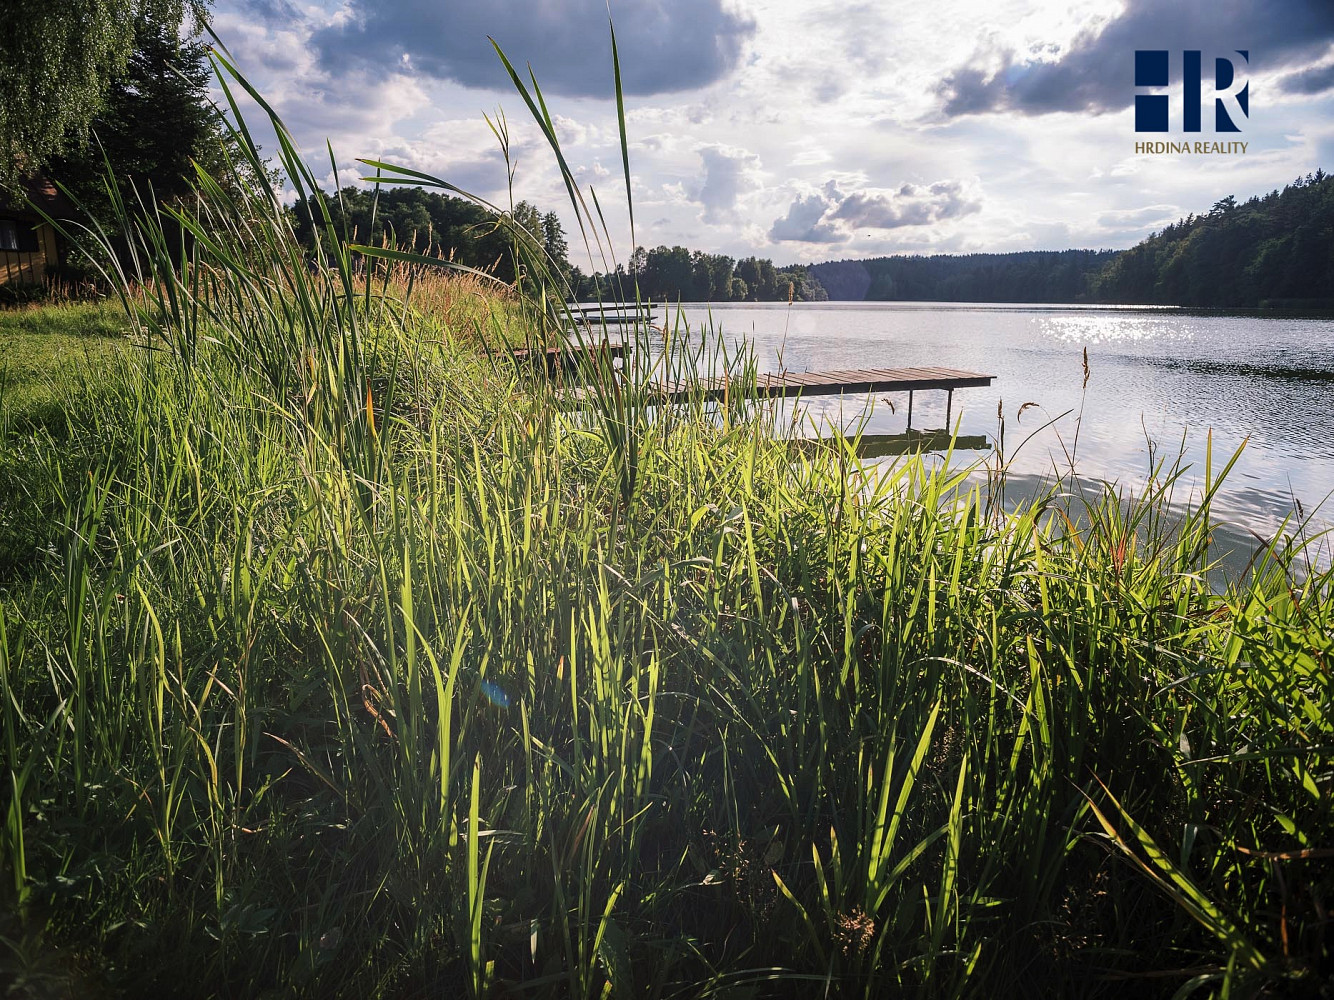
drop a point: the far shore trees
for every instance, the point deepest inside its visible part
(679, 274)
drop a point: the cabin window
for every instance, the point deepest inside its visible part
(18, 235)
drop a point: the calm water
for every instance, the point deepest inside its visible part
(1159, 376)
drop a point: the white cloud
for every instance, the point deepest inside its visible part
(804, 222)
(909, 205)
(729, 175)
(1132, 217)
(830, 216)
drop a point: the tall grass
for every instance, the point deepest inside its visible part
(338, 658)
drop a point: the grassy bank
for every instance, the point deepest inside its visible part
(44, 347)
(442, 707)
(338, 659)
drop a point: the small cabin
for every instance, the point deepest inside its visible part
(29, 249)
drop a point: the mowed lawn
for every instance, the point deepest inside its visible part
(45, 350)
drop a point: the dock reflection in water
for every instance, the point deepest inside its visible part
(883, 445)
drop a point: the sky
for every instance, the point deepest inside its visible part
(803, 130)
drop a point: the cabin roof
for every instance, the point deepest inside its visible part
(42, 192)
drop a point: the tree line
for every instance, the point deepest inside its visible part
(1027, 276)
(679, 274)
(1275, 251)
(439, 225)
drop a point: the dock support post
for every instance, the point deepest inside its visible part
(949, 405)
(910, 409)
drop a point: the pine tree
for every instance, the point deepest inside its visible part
(158, 119)
(555, 245)
(156, 123)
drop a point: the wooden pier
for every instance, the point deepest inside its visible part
(611, 313)
(772, 385)
(833, 383)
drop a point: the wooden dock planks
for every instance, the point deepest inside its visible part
(611, 314)
(783, 384)
(611, 307)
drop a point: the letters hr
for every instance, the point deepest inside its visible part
(1231, 90)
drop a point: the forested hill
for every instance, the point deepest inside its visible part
(1030, 276)
(1271, 251)
(1275, 251)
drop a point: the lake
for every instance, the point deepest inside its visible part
(1160, 380)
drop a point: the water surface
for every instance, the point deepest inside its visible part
(1161, 382)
